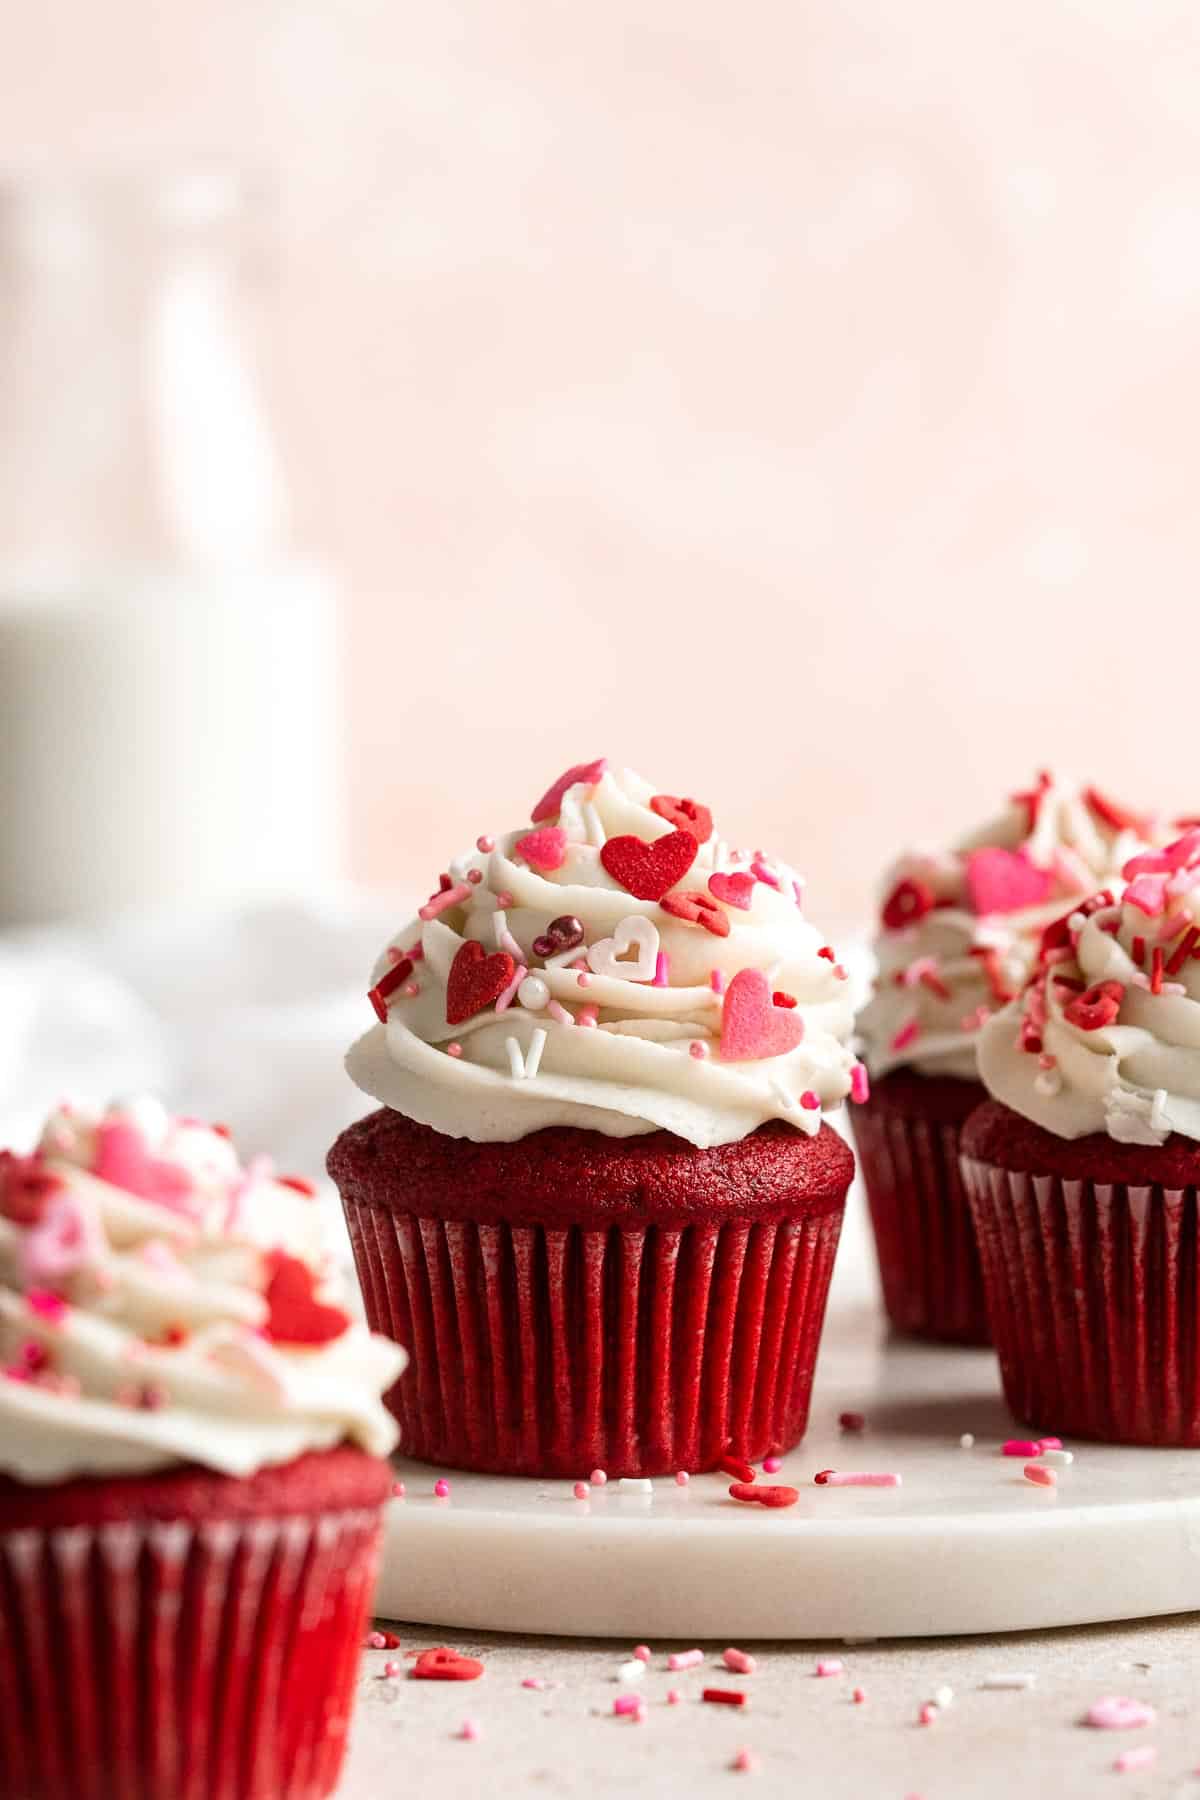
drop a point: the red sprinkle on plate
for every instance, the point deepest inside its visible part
(763, 1494)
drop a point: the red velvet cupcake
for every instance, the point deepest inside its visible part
(1083, 1171)
(600, 1205)
(191, 1473)
(958, 934)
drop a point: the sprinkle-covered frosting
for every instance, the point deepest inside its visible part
(613, 964)
(960, 929)
(1106, 1035)
(161, 1304)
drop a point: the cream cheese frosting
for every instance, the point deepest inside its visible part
(614, 965)
(161, 1304)
(1106, 1035)
(960, 928)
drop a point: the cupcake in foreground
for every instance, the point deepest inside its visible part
(958, 935)
(600, 1204)
(191, 1483)
(1083, 1170)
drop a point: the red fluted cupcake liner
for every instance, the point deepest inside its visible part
(1092, 1288)
(636, 1348)
(924, 1236)
(177, 1659)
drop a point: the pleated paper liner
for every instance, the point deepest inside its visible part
(637, 1348)
(1092, 1288)
(924, 1236)
(182, 1660)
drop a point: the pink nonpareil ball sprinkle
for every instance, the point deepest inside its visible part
(469, 1730)
(581, 1490)
(398, 1490)
(485, 844)
(745, 1762)
(673, 1696)
(442, 1489)
(393, 1669)
(682, 1478)
(642, 1652)
(772, 1465)
(927, 1714)
(858, 1696)
(597, 1478)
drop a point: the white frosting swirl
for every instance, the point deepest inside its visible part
(976, 921)
(619, 1053)
(1106, 1036)
(161, 1305)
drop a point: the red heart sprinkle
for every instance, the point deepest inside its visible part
(1004, 881)
(697, 909)
(685, 815)
(475, 980)
(295, 1315)
(762, 1495)
(908, 901)
(751, 1027)
(1096, 1007)
(446, 1665)
(645, 870)
(734, 890)
(550, 804)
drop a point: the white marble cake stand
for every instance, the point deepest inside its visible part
(966, 1544)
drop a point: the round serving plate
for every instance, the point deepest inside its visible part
(965, 1544)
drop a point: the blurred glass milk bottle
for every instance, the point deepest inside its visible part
(168, 669)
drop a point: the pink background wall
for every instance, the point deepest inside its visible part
(795, 400)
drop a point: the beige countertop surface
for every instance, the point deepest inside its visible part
(807, 1734)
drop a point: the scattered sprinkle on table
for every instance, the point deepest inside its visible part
(745, 1762)
(967, 1441)
(1040, 1475)
(1141, 1758)
(852, 1421)
(724, 1696)
(830, 1665)
(1116, 1712)
(739, 1661)
(1003, 1679)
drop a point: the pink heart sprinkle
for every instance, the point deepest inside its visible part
(545, 849)
(733, 890)
(123, 1160)
(550, 804)
(1148, 894)
(1164, 862)
(1005, 881)
(752, 1027)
